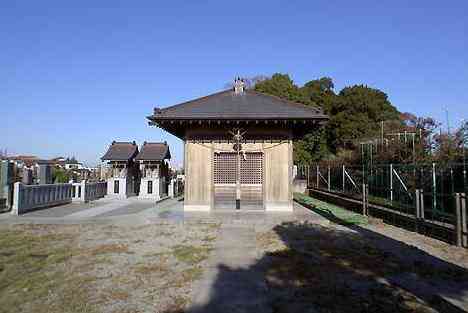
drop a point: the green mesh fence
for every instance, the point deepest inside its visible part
(394, 185)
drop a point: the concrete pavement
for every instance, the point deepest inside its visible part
(234, 281)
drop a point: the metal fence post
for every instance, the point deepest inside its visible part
(317, 177)
(391, 183)
(461, 232)
(329, 182)
(365, 199)
(464, 221)
(343, 186)
(458, 221)
(434, 188)
(308, 174)
(421, 204)
(417, 211)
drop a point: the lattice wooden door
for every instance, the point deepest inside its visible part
(251, 180)
(225, 177)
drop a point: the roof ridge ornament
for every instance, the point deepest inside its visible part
(239, 86)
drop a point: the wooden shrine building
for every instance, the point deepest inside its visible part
(238, 147)
(123, 179)
(154, 170)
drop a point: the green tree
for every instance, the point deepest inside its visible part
(320, 92)
(281, 85)
(61, 176)
(316, 92)
(311, 148)
(356, 114)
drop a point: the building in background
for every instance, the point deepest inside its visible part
(123, 178)
(44, 173)
(154, 168)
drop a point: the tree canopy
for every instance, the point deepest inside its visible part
(359, 116)
(355, 113)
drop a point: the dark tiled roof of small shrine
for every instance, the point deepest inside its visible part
(247, 105)
(154, 151)
(121, 151)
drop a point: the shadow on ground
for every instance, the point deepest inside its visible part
(310, 268)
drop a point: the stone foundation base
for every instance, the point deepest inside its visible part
(279, 207)
(191, 207)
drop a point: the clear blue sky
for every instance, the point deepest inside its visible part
(75, 75)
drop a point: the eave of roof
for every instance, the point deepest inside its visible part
(246, 109)
(226, 105)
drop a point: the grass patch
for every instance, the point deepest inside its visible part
(34, 277)
(329, 210)
(190, 254)
(147, 269)
(209, 238)
(116, 295)
(109, 248)
(157, 254)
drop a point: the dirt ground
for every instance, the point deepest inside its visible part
(309, 264)
(101, 268)
(366, 268)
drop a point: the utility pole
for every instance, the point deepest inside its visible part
(447, 119)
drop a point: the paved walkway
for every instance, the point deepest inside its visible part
(99, 210)
(235, 278)
(234, 281)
